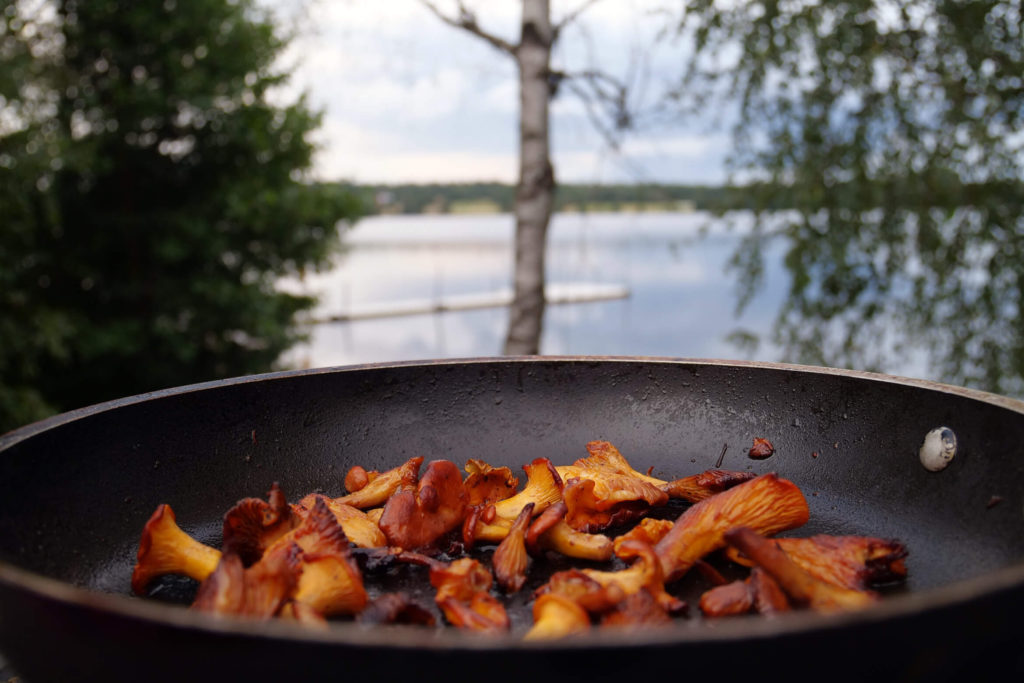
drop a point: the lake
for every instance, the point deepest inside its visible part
(681, 302)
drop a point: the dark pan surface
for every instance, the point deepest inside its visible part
(77, 489)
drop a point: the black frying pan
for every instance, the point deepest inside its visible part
(76, 490)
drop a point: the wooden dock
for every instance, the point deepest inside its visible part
(555, 294)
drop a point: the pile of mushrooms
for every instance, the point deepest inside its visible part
(296, 561)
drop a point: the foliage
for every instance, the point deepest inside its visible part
(895, 129)
(152, 194)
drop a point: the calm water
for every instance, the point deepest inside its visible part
(681, 303)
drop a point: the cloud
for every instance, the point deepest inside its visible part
(419, 167)
(408, 99)
(686, 146)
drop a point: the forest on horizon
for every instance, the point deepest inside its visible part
(492, 197)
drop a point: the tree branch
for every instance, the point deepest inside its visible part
(591, 107)
(571, 17)
(467, 22)
(599, 90)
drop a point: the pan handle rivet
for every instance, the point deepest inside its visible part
(938, 449)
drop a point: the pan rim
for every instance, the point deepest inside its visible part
(683, 632)
(345, 634)
(27, 431)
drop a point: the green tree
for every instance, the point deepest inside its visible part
(152, 193)
(894, 129)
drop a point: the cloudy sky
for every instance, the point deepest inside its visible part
(407, 98)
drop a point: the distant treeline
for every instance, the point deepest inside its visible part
(498, 198)
(945, 192)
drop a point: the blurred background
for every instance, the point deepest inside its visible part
(199, 189)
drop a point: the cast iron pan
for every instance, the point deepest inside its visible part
(76, 490)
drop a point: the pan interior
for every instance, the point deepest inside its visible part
(76, 494)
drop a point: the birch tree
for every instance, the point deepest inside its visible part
(535, 187)
(895, 130)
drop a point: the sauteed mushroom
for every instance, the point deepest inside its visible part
(330, 582)
(648, 530)
(797, 583)
(362, 530)
(767, 504)
(604, 499)
(295, 561)
(758, 591)
(511, 559)
(694, 488)
(543, 488)
(419, 513)
(556, 616)
(486, 484)
(165, 549)
(379, 488)
(259, 591)
(462, 593)
(854, 562)
(550, 532)
(253, 525)
(637, 610)
(644, 573)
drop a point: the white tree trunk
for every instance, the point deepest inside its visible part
(535, 191)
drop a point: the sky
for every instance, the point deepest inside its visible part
(407, 98)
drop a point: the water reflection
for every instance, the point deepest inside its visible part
(682, 302)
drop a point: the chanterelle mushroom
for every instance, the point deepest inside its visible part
(767, 504)
(599, 499)
(585, 591)
(693, 488)
(420, 513)
(604, 456)
(486, 484)
(360, 529)
(376, 490)
(638, 610)
(697, 487)
(311, 565)
(165, 549)
(331, 582)
(758, 591)
(510, 560)
(259, 591)
(253, 525)
(853, 562)
(556, 616)
(463, 593)
(644, 573)
(550, 532)
(649, 530)
(797, 583)
(543, 488)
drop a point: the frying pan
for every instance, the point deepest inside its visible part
(76, 489)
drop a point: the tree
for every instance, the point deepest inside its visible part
(895, 132)
(152, 197)
(535, 188)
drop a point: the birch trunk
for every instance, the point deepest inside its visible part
(535, 190)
